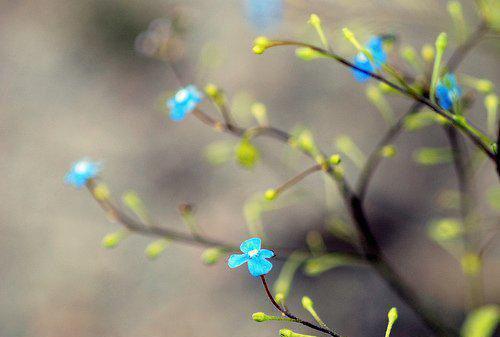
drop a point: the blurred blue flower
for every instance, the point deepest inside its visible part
(376, 47)
(264, 14)
(254, 256)
(81, 172)
(184, 101)
(448, 91)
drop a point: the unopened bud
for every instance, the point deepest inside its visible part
(270, 194)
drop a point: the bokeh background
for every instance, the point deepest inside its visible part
(74, 84)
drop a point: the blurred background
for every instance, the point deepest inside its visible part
(77, 82)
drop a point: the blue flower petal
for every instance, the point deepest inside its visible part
(81, 172)
(266, 253)
(250, 244)
(362, 62)
(237, 260)
(259, 266)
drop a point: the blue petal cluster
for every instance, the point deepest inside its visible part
(376, 47)
(264, 14)
(184, 101)
(448, 91)
(81, 172)
(254, 256)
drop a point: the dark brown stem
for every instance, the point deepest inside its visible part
(287, 313)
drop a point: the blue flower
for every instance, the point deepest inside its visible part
(448, 91)
(184, 101)
(376, 47)
(254, 256)
(264, 14)
(81, 172)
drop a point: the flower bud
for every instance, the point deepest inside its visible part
(428, 53)
(211, 255)
(101, 192)
(392, 314)
(260, 317)
(270, 194)
(307, 54)
(261, 43)
(112, 240)
(335, 159)
(441, 42)
(307, 303)
(388, 151)
(155, 248)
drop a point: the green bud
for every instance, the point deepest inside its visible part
(259, 111)
(155, 248)
(349, 35)
(388, 151)
(211, 256)
(441, 42)
(247, 154)
(307, 303)
(219, 152)
(471, 264)
(132, 200)
(445, 229)
(307, 54)
(270, 194)
(290, 333)
(314, 20)
(280, 298)
(432, 156)
(112, 240)
(335, 159)
(260, 317)
(261, 43)
(392, 315)
(101, 192)
(211, 90)
(491, 104)
(484, 86)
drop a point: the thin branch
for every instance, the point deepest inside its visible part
(287, 313)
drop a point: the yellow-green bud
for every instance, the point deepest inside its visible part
(112, 240)
(270, 194)
(211, 255)
(335, 159)
(408, 52)
(101, 192)
(211, 90)
(261, 43)
(155, 248)
(260, 317)
(455, 9)
(349, 35)
(491, 102)
(392, 315)
(471, 264)
(280, 298)
(286, 333)
(441, 42)
(307, 54)
(259, 111)
(290, 333)
(428, 53)
(484, 86)
(307, 303)
(314, 20)
(388, 151)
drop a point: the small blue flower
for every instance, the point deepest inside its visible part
(376, 47)
(184, 101)
(264, 14)
(81, 172)
(448, 91)
(254, 256)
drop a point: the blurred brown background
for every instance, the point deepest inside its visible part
(73, 86)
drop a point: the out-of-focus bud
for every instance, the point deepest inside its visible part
(307, 54)
(388, 151)
(428, 53)
(270, 194)
(112, 240)
(259, 112)
(155, 248)
(335, 159)
(101, 192)
(260, 44)
(211, 256)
